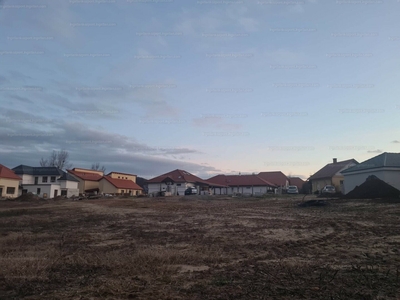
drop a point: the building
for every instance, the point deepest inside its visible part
(9, 183)
(331, 175)
(243, 184)
(275, 177)
(297, 181)
(385, 166)
(88, 180)
(48, 182)
(119, 184)
(176, 182)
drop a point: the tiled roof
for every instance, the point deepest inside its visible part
(331, 169)
(240, 180)
(179, 176)
(40, 171)
(85, 176)
(68, 177)
(388, 160)
(275, 177)
(297, 181)
(122, 183)
(8, 173)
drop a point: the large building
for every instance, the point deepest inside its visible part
(119, 184)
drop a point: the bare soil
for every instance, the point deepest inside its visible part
(200, 248)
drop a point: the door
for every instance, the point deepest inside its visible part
(38, 191)
(55, 193)
(36, 180)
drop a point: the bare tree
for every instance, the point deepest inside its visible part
(96, 166)
(59, 159)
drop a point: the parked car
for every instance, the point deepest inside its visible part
(328, 189)
(292, 189)
(191, 191)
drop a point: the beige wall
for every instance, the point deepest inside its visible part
(91, 185)
(318, 184)
(89, 171)
(4, 183)
(123, 176)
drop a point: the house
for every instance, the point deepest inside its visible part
(297, 181)
(331, 175)
(9, 183)
(48, 182)
(277, 178)
(245, 184)
(119, 184)
(385, 166)
(176, 182)
(88, 180)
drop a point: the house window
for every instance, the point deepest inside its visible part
(178, 184)
(38, 191)
(126, 177)
(119, 177)
(44, 179)
(10, 190)
(247, 187)
(53, 179)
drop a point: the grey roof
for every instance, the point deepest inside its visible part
(69, 177)
(384, 160)
(331, 169)
(40, 171)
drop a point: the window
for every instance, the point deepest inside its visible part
(126, 177)
(10, 190)
(119, 177)
(247, 187)
(122, 191)
(53, 179)
(38, 191)
(178, 184)
(44, 179)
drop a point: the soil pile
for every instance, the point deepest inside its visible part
(313, 203)
(373, 188)
(28, 197)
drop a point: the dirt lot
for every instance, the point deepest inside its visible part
(191, 248)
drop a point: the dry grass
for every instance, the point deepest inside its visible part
(190, 248)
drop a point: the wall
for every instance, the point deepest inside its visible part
(4, 183)
(89, 171)
(391, 177)
(66, 184)
(123, 176)
(318, 184)
(47, 188)
(106, 187)
(90, 185)
(174, 188)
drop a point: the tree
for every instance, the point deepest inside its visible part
(96, 166)
(59, 159)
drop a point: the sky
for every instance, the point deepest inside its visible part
(210, 87)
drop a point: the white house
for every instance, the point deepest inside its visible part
(48, 182)
(385, 166)
(176, 182)
(244, 184)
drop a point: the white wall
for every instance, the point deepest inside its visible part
(174, 188)
(390, 176)
(66, 184)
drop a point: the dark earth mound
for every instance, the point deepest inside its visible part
(373, 188)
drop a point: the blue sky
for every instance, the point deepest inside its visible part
(207, 86)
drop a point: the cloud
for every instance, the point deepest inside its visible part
(27, 137)
(375, 151)
(395, 142)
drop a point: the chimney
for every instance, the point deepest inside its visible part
(335, 160)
